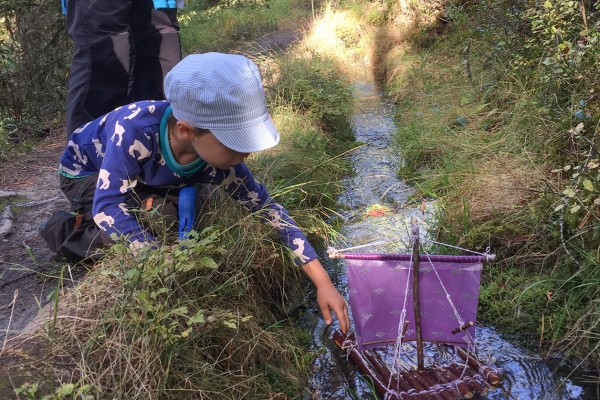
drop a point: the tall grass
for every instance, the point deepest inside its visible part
(184, 322)
(224, 25)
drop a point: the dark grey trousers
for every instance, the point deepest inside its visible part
(158, 216)
(123, 50)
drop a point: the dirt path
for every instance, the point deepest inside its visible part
(27, 265)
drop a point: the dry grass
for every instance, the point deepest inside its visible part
(499, 185)
(341, 35)
(132, 329)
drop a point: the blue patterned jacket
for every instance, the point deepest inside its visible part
(129, 145)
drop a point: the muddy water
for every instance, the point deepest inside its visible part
(526, 375)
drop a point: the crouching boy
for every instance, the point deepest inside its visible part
(142, 154)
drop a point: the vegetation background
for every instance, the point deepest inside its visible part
(498, 118)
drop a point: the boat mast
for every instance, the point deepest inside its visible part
(416, 303)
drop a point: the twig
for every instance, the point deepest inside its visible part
(584, 17)
(562, 235)
(532, 190)
(12, 303)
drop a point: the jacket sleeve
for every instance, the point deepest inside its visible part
(253, 196)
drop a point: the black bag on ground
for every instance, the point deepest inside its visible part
(76, 243)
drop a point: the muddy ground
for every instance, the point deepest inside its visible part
(28, 268)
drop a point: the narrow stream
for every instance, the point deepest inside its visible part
(526, 375)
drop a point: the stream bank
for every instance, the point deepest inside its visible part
(526, 374)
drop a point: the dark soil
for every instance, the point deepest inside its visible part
(28, 267)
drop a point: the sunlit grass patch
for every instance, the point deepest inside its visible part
(221, 27)
(342, 34)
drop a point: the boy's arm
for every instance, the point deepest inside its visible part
(328, 296)
(253, 196)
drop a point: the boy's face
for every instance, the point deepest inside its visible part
(215, 153)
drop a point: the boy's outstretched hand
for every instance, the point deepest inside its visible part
(328, 296)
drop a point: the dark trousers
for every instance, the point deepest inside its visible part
(123, 50)
(84, 240)
(155, 209)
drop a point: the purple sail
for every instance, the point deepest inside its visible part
(377, 286)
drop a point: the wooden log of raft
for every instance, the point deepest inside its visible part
(429, 385)
(462, 386)
(407, 375)
(404, 390)
(444, 392)
(365, 367)
(490, 375)
(439, 376)
(472, 378)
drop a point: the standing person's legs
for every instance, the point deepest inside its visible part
(157, 48)
(99, 80)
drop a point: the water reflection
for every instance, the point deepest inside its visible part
(526, 375)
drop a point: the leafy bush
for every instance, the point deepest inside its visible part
(34, 58)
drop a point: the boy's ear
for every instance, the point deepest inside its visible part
(186, 131)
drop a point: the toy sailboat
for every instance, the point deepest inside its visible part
(397, 298)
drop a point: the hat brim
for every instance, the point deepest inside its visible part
(249, 139)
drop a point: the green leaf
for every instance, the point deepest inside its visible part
(157, 292)
(569, 192)
(588, 185)
(559, 207)
(198, 318)
(180, 311)
(186, 333)
(575, 208)
(479, 108)
(66, 389)
(208, 262)
(131, 273)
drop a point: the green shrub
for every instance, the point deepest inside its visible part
(34, 59)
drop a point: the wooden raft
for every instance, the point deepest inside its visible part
(450, 383)
(466, 380)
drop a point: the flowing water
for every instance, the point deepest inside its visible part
(526, 374)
